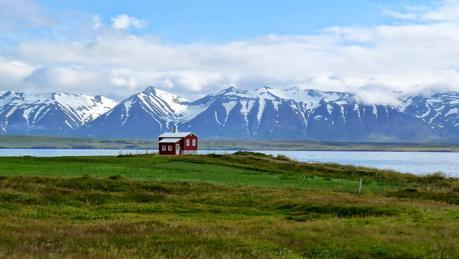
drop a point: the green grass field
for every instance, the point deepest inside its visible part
(241, 205)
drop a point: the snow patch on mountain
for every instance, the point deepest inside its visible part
(441, 111)
(454, 111)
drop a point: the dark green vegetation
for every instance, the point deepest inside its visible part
(242, 205)
(74, 143)
(89, 143)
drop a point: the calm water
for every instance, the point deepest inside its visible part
(409, 162)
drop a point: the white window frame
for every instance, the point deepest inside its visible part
(193, 142)
(163, 147)
(169, 147)
(187, 142)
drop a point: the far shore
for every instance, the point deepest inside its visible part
(44, 142)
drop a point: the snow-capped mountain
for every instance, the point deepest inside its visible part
(264, 113)
(268, 113)
(145, 114)
(50, 114)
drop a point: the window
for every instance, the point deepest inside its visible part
(194, 142)
(187, 142)
(163, 147)
(169, 147)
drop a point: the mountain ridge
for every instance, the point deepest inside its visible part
(52, 113)
(276, 114)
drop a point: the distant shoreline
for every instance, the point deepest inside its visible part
(219, 149)
(43, 142)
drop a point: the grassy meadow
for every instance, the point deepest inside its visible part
(213, 206)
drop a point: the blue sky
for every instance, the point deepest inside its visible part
(223, 20)
(378, 50)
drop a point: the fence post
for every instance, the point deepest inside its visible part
(360, 184)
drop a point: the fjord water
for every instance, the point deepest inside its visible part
(408, 162)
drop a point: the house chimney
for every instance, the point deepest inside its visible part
(175, 130)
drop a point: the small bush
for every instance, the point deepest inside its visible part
(213, 155)
(115, 177)
(283, 158)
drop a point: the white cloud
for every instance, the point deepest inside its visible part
(377, 62)
(126, 22)
(447, 11)
(443, 10)
(402, 15)
(12, 72)
(22, 14)
(96, 22)
(64, 79)
(124, 82)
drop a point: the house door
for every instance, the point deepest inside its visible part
(177, 149)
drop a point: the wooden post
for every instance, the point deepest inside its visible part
(360, 184)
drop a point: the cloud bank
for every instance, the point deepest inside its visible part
(417, 56)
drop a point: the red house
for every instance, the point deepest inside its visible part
(178, 143)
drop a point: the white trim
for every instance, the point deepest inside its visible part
(170, 140)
